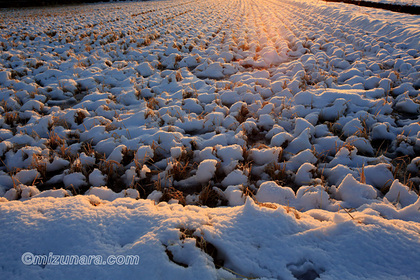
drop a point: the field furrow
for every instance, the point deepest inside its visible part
(186, 100)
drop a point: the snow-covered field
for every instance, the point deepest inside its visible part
(297, 122)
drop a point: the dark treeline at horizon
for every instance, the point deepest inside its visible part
(40, 3)
(395, 7)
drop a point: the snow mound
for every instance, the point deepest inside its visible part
(246, 238)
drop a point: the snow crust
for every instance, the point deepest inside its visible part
(254, 241)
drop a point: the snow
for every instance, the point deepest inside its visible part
(205, 172)
(285, 134)
(354, 193)
(106, 194)
(26, 176)
(272, 192)
(75, 180)
(304, 174)
(253, 241)
(96, 178)
(264, 156)
(236, 177)
(400, 194)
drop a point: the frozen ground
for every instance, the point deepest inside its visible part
(309, 109)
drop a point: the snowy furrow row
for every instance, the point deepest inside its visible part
(205, 102)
